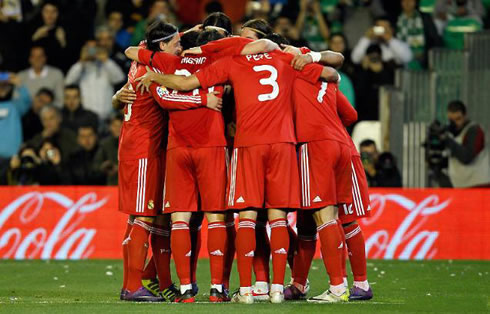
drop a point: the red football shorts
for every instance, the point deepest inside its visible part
(325, 174)
(141, 186)
(264, 176)
(195, 176)
(360, 206)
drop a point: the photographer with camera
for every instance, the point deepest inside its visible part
(381, 170)
(392, 49)
(469, 163)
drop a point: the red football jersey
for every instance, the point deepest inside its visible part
(315, 113)
(201, 127)
(348, 115)
(143, 128)
(229, 46)
(263, 85)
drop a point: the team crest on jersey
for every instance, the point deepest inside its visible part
(161, 90)
(151, 204)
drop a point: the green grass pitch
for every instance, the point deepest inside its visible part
(93, 286)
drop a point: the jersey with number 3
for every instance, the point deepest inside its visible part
(143, 130)
(263, 85)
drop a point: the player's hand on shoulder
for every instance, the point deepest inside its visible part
(299, 61)
(214, 102)
(291, 49)
(145, 81)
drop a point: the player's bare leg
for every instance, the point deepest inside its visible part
(279, 249)
(216, 250)
(137, 245)
(357, 256)
(180, 243)
(245, 248)
(261, 259)
(129, 226)
(332, 248)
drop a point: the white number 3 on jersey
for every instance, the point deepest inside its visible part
(271, 80)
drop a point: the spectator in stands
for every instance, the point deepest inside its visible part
(418, 31)
(284, 27)
(338, 43)
(64, 139)
(373, 73)
(392, 48)
(31, 122)
(160, 9)
(105, 39)
(11, 111)
(133, 11)
(41, 75)
(106, 157)
(73, 114)
(312, 24)
(445, 10)
(51, 35)
(115, 22)
(463, 21)
(96, 74)
(14, 40)
(469, 161)
(380, 169)
(80, 168)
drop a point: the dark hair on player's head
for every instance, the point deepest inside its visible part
(73, 86)
(208, 36)
(156, 32)
(218, 19)
(46, 91)
(278, 39)
(213, 6)
(367, 142)
(456, 106)
(189, 40)
(260, 26)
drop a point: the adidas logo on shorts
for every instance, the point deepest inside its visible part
(250, 254)
(317, 199)
(240, 200)
(167, 204)
(217, 253)
(281, 251)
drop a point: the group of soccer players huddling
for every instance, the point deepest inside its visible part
(290, 152)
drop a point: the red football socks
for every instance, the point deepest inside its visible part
(344, 251)
(196, 248)
(245, 247)
(303, 258)
(160, 245)
(150, 271)
(137, 249)
(229, 253)
(129, 226)
(332, 248)
(279, 248)
(293, 246)
(180, 243)
(357, 251)
(262, 253)
(216, 250)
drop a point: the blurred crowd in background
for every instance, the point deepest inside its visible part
(61, 62)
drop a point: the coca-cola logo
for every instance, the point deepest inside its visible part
(65, 240)
(409, 240)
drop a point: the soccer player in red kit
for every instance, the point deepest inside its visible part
(141, 156)
(350, 213)
(264, 158)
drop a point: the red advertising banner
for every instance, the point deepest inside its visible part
(83, 222)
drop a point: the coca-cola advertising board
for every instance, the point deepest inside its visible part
(83, 222)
